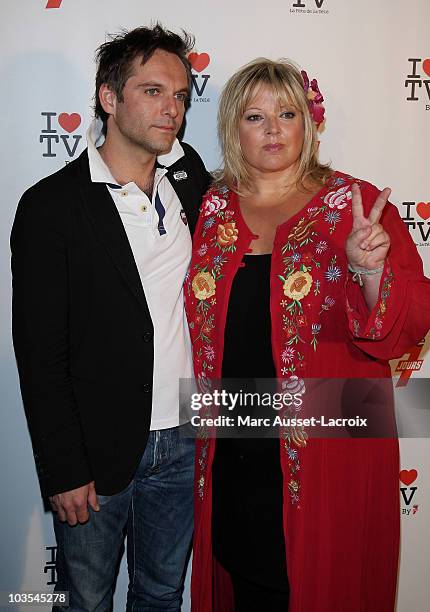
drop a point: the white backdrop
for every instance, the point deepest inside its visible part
(372, 61)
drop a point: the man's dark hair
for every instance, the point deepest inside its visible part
(115, 57)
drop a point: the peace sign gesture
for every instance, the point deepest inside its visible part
(368, 243)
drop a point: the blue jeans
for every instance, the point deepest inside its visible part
(156, 513)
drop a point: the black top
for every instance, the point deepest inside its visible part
(247, 478)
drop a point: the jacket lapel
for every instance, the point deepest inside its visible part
(108, 227)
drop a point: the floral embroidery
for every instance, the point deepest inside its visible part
(338, 199)
(321, 247)
(332, 217)
(287, 354)
(302, 266)
(302, 232)
(209, 353)
(316, 328)
(227, 235)
(203, 250)
(333, 273)
(328, 303)
(290, 436)
(213, 204)
(356, 327)
(302, 274)
(297, 285)
(375, 332)
(208, 223)
(203, 285)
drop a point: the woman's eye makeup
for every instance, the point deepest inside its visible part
(285, 114)
(253, 117)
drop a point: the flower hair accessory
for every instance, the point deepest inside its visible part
(315, 99)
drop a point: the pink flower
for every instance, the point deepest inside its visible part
(315, 99)
(339, 198)
(213, 205)
(287, 354)
(204, 383)
(203, 250)
(209, 353)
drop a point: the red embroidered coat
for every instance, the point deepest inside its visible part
(341, 496)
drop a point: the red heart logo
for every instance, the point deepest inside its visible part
(69, 122)
(423, 209)
(426, 66)
(408, 476)
(199, 61)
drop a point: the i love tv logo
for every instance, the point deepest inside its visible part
(418, 80)
(407, 478)
(59, 133)
(417, 220)
(199, 75)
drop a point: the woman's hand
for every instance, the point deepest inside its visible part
(368, 243)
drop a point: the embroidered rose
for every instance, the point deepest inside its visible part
(213, 204)
(227, 234)
(302, 230)
(203, 285)
(339, 198)
(298, 285)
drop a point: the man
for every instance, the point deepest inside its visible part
(99, 253)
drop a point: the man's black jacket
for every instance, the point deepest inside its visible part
(82, 331)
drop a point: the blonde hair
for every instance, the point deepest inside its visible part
(287, 82)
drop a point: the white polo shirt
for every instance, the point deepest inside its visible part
(161, 245)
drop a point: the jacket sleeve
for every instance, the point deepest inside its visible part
(40, 310)
(401, 315)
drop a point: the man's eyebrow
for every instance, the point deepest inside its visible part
(151, 84)
(161, 86)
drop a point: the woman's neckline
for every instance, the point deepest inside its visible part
(298, 213)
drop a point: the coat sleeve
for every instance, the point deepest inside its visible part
(40, 309)
(401, 315)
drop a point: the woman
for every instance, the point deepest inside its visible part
(293, 276)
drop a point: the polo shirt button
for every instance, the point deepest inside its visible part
(147, 336)
(146, 387)
(124, 192)
(144, 208)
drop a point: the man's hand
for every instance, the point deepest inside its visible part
(72, 506)
(368, 243)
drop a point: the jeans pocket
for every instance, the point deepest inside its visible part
(116, 497)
